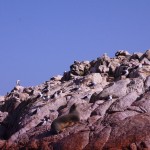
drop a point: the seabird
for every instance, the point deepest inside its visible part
(109, 97)
(91, 84)
(75, 89)
(55, 95)
(18, 82)
(43, 122)
(40, 95)
(46, 98)
(125, 72)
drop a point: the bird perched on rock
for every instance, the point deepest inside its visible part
(110, 97)
(56, 94)
(43, 122)
(18, 83)
(40, 95)
(125, 72)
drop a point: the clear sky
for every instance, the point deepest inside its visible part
(42, 38)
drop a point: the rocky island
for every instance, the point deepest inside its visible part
(103, 104)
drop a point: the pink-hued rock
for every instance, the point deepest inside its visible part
(112, 108)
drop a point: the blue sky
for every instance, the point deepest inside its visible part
(40, 39)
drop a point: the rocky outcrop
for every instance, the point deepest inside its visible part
(112, 96)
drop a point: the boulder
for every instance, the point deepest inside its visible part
(147, 54)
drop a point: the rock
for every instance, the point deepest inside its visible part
(102, 108)
(103, 69)
(113, 65)
(144, 102)
(95, 78)
(133, 146)
(80, 68)
(69, 144)
(145, 71)
(112, 96)
(147, 83)
(84, 110)
(2, 143)
(119, 71)
(2, 131)
(107, 93)
(57, 78)
(117, 89)
(66, 76)
(18, 88)
(136, 85)
(114, 118)
(136, 56)
(145, 61)
(3, 115)
(122, 53)
(147, 54)
(99, 140)
(133, 125)
(123, 103)
(2, 98)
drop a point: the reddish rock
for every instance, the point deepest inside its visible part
(73, 142)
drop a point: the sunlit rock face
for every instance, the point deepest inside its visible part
(112, 99)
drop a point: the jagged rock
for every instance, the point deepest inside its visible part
(18, 88)
(101, 65)
(144, 71)
(93, 78)
(57, 78)
(143, 103)
(147, 82)
(114, 118)
(80, 68)
(136, 85)
(119, 71)
(122, 53)
(102, 108)
(2, 98)
(112, 96)
(137, 127)
(67, 143)
(145, 61)
(117, 89)
(99, 140)
(147, 54)
(66, 76)
(3, 115)
(103, 69)
(113, 65)
(137, 56)
(123, 103)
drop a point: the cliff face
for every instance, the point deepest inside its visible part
(112, 98)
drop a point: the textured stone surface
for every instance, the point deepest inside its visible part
(113, 106)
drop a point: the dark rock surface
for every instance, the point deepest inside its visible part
(112, 96)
